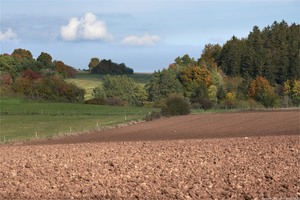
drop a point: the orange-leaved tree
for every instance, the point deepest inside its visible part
(261, 91)
(195, 74)
(65, 70)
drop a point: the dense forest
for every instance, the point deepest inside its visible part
(261, 70)
(272, 53)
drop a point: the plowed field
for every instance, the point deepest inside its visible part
(212, 156)
(224, 125)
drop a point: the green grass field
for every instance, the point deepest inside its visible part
(23, 120)
(89, 81)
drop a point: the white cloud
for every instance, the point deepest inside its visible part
(7, 35)
(140, 41)
(87, 28)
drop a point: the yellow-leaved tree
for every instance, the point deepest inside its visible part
(195, 80)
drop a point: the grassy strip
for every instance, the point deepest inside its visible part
(219, 110)
(23, 120)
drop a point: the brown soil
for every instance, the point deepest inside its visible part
(163, 159)
(224, 125)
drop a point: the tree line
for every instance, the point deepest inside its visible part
(261, 70)
(38, 79)
(272, 52)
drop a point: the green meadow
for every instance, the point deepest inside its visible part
(22, 120)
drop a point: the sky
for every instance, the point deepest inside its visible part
(146, 35)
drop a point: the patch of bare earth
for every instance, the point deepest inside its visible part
(234, 167)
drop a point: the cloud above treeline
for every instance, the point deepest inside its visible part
(87, 27)
(9, 34)
(141, 41)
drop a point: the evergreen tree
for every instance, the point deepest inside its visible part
(255, 47)
(231, 56)
(272, 53)
(293, 39)
(163, 83)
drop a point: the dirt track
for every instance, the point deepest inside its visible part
(238, 162)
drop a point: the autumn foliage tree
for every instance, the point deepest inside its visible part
(50, 88)
(65, 70)
(195, 74)
(193, 77)
(296, 92)
(22, 54)
(5, 79)
(24, 76)
(261, 91)
(292, 90)
(210, 55)
(31, 75)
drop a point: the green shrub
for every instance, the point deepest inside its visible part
(249, 104)
(96, 101)
(153, 115)
(201, 102)
(112, 101)
(176, 104)
(230, 104)
(116, 101)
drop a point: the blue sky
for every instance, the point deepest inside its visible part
(146, 35)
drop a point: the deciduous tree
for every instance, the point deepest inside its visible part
(45, 59)
(261, 91)
(93, 63)
(22, 54)
(124, 88)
